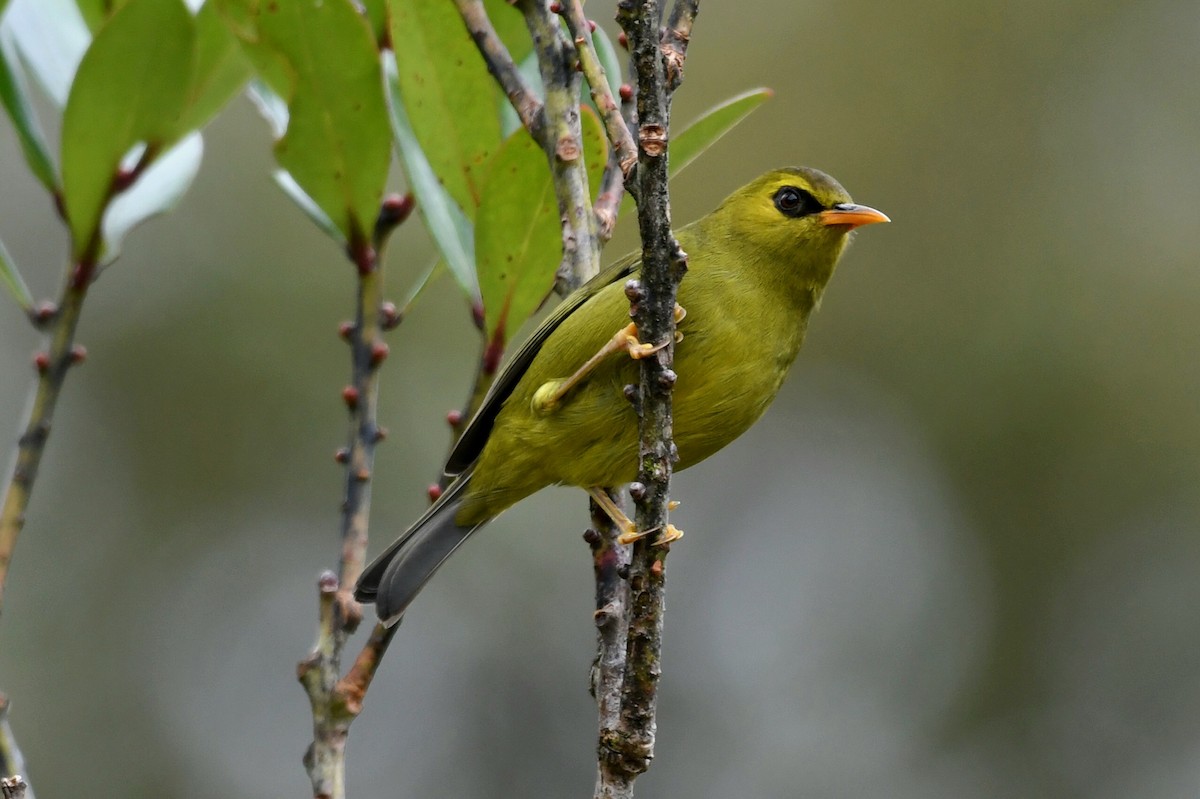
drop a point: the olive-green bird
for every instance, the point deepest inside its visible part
(558, 414)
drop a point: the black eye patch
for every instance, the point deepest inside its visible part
(795, 202)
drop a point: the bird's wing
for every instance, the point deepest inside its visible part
(476, 433)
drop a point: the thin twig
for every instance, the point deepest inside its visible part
(613, 181)
(675, 39)
(528, 107)
(337, 702)
(563, 142)
(610, 111)
(627, 749)
(12, 763)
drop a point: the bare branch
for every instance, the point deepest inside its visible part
(610, 111)
(675, 38)
(528, 107)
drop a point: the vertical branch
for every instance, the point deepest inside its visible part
(337, 702)
(627, 750)
(12, 764)
(563, 142)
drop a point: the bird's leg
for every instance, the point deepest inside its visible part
(549, 394)
(613, 511)
(629, 531)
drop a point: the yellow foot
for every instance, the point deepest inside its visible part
(546, 398)
(637, 350)
(672, 533)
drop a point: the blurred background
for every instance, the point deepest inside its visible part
(958, 558)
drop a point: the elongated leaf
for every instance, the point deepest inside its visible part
(130, 89)
(518, 236)
(10, 278)
(320, 56)
(219, 70)
(451, 230)
(306, 204)
(157, 191)
(14, 95)
(706, 130)
(712, 125)
(443, 80)
(51, 37)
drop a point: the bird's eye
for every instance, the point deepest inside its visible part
(794, 202)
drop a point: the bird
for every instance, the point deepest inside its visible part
(558, 413)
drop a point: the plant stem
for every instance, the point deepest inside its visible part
(52, 370)
(12, 764)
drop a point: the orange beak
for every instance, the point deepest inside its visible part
(852, 215)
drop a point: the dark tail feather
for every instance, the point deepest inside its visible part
(395, 578)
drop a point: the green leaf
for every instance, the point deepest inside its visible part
(320, 56)
(219, 69)
(306, 204)
(51, 37)
(130, 89)
(11, 279)
(510, 26)
(518, 234)
(444, 83)
(14, 95)
(714, 123)
(450, 228)
(157, 191)
(376, 13)
(706, 130)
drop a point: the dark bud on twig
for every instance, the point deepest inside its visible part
(41, 362)
(44, 312)
(634, 290)
(379, 353)
(556, 8)
(623, 571)
(393, 211)
(345, 330)
(637, 491)
(623, 40)
(124, 179)
(350, 396)
(380, 434)
(389, 317)
(666, 379)
(634, 395)
(454, 418)
(626, 91)
(327, 583)
(477, 313)
(342, 455)
(591, 26)
(434, 491)
(362, 475)
(591, 537)
(78, 354)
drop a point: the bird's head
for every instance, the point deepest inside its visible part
(797, 217)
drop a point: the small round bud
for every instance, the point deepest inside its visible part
(394, 209)
(78, 353)
(633, 394)
(591, 536)
(434, 491)
(362, 475)
(350, 396)
(592, 25)
(637, 491)
(626, 91)
(41, 362)
(389, 317)
(327, 583)
(556, 8)
(379, 353)
(666, 379)
(342, 455)
(345, 330)
(623, 39)
(44, 312)
(623, 571)
(454, 418)
(634, 291)
(381, 433)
